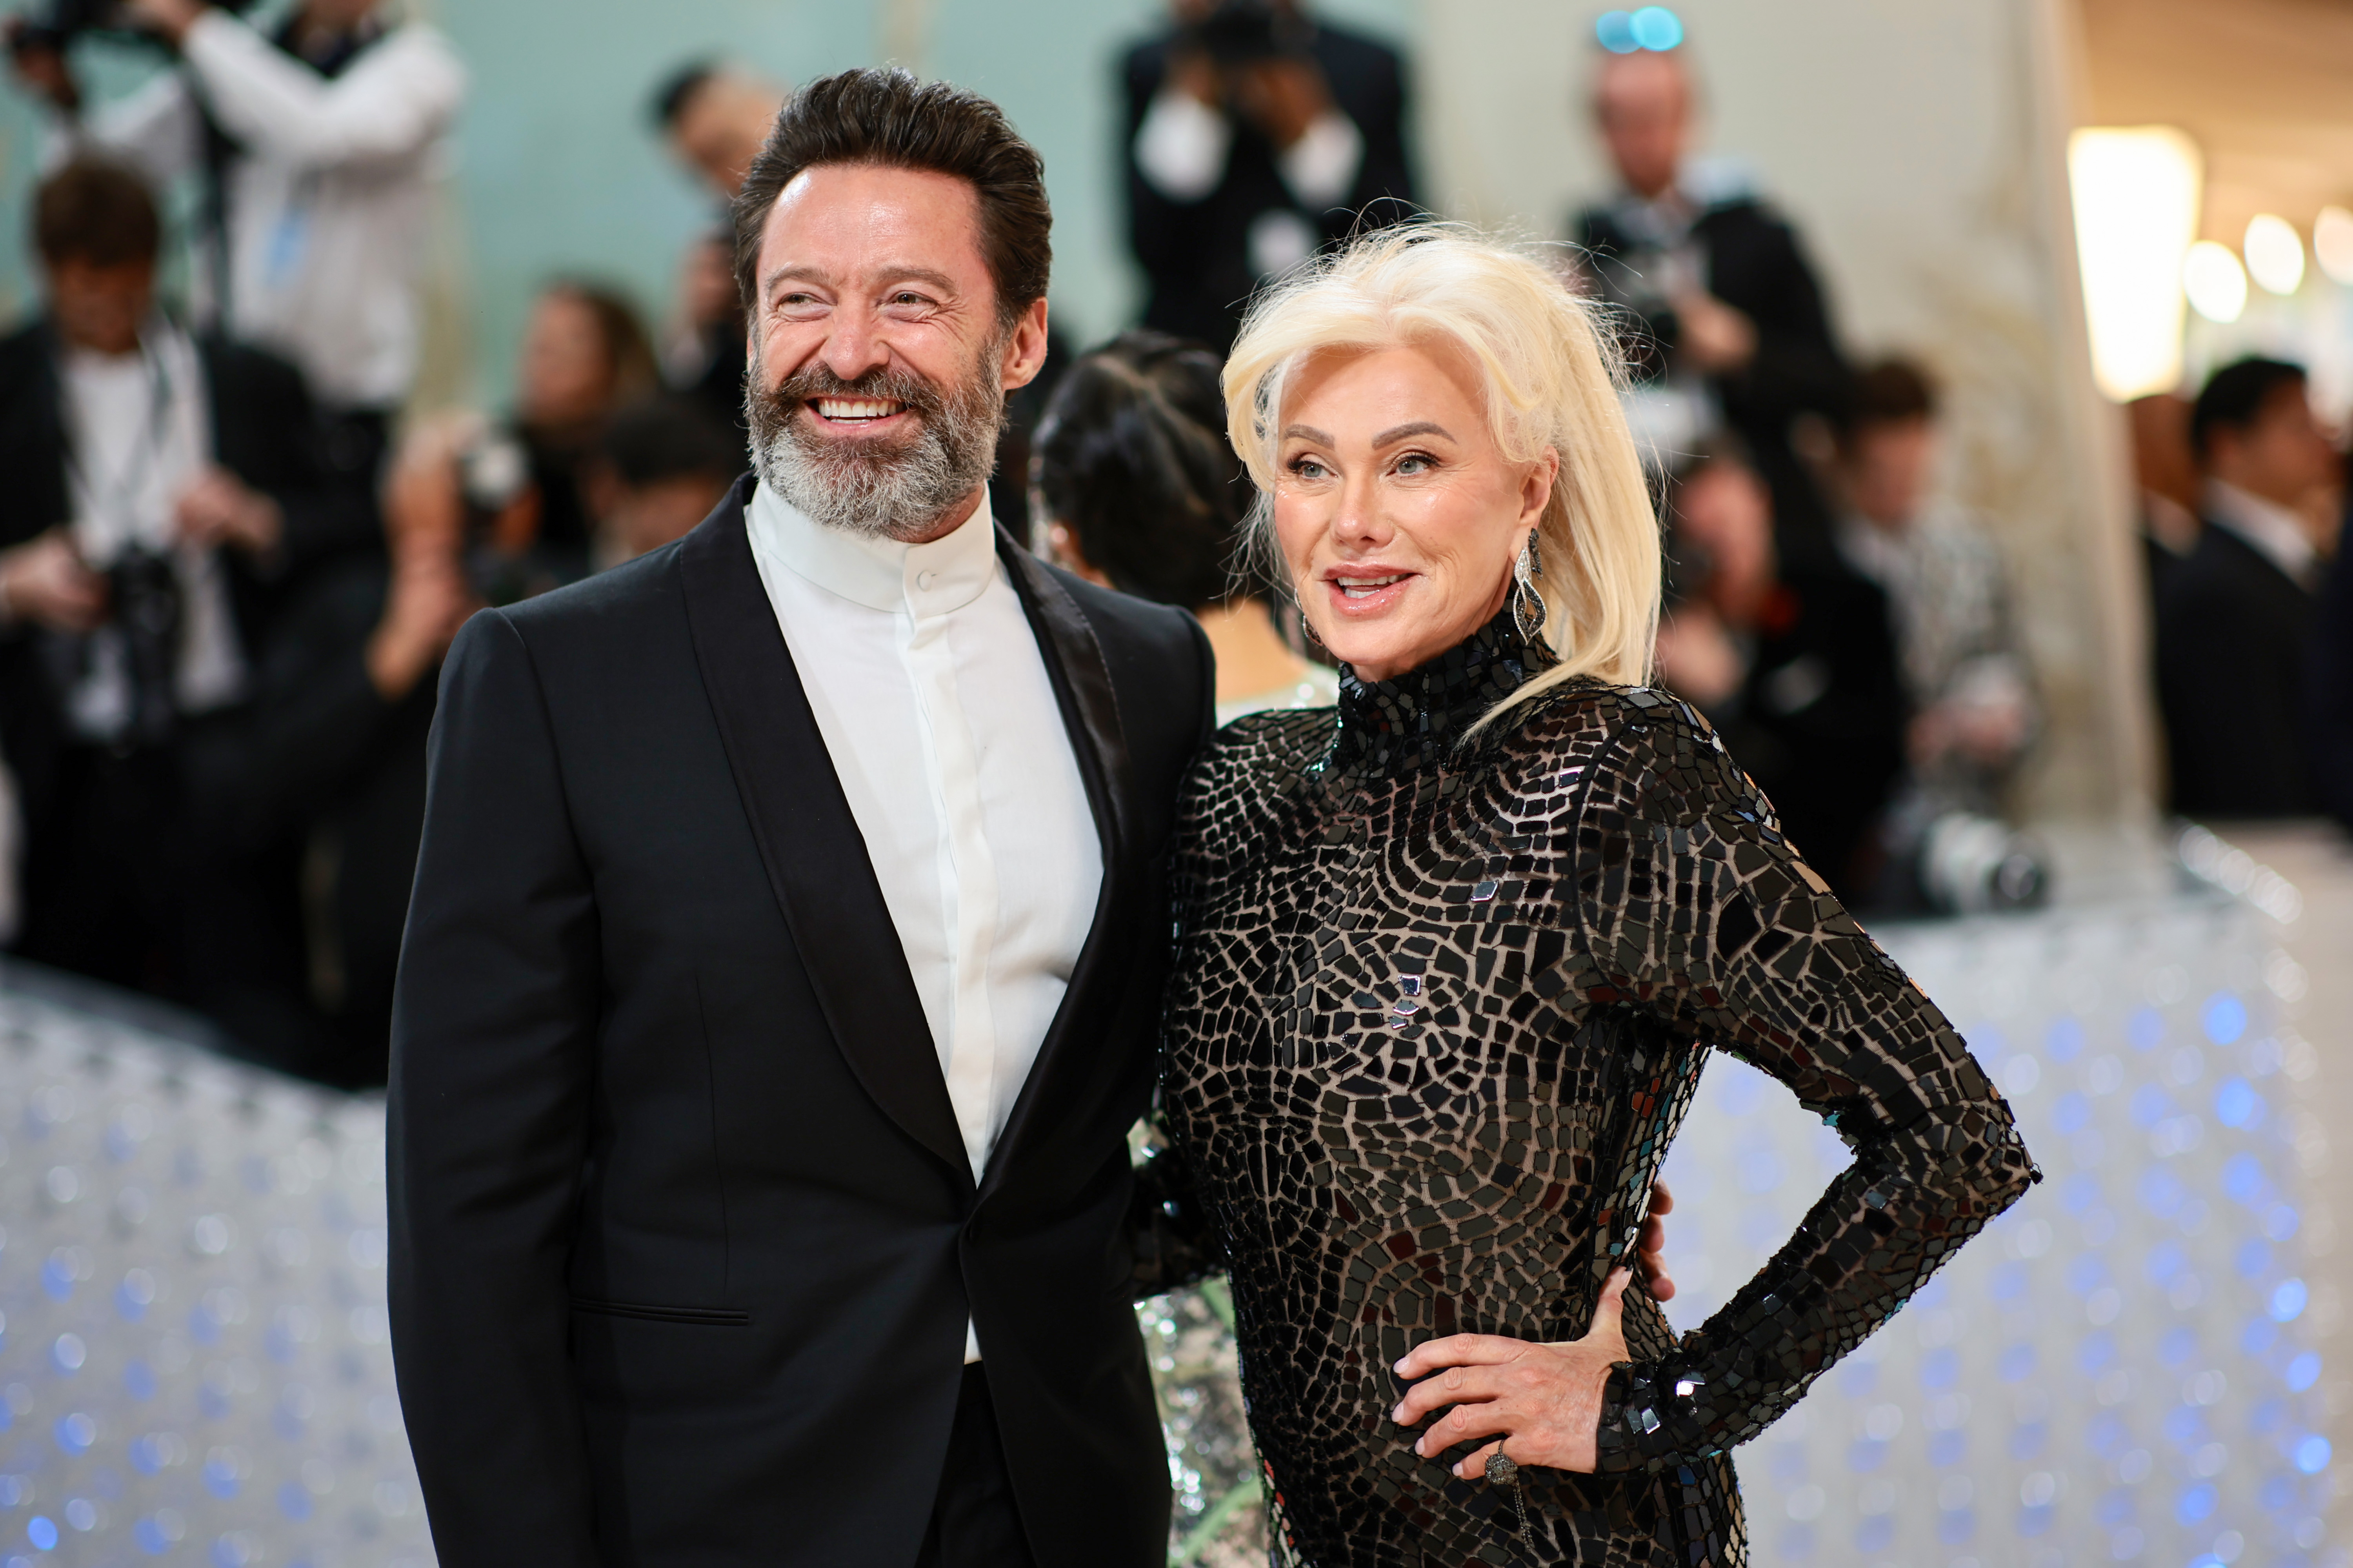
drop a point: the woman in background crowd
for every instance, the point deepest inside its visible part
(1139, 491)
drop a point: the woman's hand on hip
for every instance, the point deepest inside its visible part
(1543, 1401)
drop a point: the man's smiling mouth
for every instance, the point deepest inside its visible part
(855, 410)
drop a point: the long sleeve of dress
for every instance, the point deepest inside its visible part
(1695, 910)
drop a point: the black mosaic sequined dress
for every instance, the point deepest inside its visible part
(1437, 1013)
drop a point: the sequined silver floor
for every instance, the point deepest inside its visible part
(194, 1365)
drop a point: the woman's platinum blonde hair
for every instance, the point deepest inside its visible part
(1551, 372)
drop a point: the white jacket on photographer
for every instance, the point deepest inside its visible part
(329, 191)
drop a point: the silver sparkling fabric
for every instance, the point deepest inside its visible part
(1438, 1010)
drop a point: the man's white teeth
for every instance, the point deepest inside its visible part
(855, 408)
(1364, 587)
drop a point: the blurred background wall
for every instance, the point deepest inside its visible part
(1919, 146)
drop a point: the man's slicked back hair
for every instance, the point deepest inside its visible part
(889, 120)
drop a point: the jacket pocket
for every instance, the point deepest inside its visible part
(700, 1317)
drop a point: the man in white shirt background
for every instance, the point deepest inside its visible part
(323, 141)
(1256, 132)
(164, 491)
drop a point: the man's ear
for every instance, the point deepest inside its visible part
(1025, 347)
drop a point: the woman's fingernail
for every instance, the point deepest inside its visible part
(1399, 1413)
(1400, 1368)
(1417, 1448)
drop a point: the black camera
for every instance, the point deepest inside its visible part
(54, 24)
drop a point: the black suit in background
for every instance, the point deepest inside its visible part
(1752, 261)
(2330, 688)
(124, 877)
(1196, 254)
(1819, 723)
(2233, 638)
(337, 769)
(684, 1233)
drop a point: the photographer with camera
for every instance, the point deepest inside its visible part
(165, 493)
(319, 142)
(1257, 133)
(1727, 321)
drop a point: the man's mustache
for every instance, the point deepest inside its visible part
(814, 381)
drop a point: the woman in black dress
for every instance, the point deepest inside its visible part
(1453, 956)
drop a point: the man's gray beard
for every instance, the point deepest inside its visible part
(899, 491)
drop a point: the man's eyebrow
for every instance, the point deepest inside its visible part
(1419, 427)
(1308, 432)
(909, 273)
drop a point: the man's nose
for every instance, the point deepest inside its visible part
(854, 349)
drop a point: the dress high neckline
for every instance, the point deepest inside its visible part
(1392, 727)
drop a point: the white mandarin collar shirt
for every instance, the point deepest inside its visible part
(933, 697)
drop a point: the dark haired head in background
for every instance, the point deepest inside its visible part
(2236, 397)
(1131, 467)
(715, 117)
(96, 229)
(96, 211)
(663, 464)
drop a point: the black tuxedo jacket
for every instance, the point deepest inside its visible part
(684, 1235)
(2233, 637)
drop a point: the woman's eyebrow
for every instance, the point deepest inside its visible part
(1307, 433)
(1419, 427)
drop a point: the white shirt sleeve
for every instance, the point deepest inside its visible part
(396, 100)
(1182, 145)
(1320, 167)
(154, 130)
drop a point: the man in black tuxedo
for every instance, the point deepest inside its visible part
(1729, 323)
(2234, 617)
(1256, 132)
(164, 490)
(784, 960)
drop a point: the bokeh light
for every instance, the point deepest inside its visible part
(2136, 193)
(2215, 282)
(2332, 243)
(2274, 254)
(1615, 32)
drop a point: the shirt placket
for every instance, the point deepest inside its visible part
(972, 904)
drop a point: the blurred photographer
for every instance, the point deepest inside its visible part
(319, 142)
(1964, 663)
(1792, 660)
(164, 491)
(1256, 132)
(1727, 322)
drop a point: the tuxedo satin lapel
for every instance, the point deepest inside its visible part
(810, 843)
(1081, 680)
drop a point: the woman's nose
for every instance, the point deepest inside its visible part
(1359, 521)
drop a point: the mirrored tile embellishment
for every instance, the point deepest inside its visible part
(194, 1362)
(1583, 902)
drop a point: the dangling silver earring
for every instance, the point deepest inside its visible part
(1528, 610)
